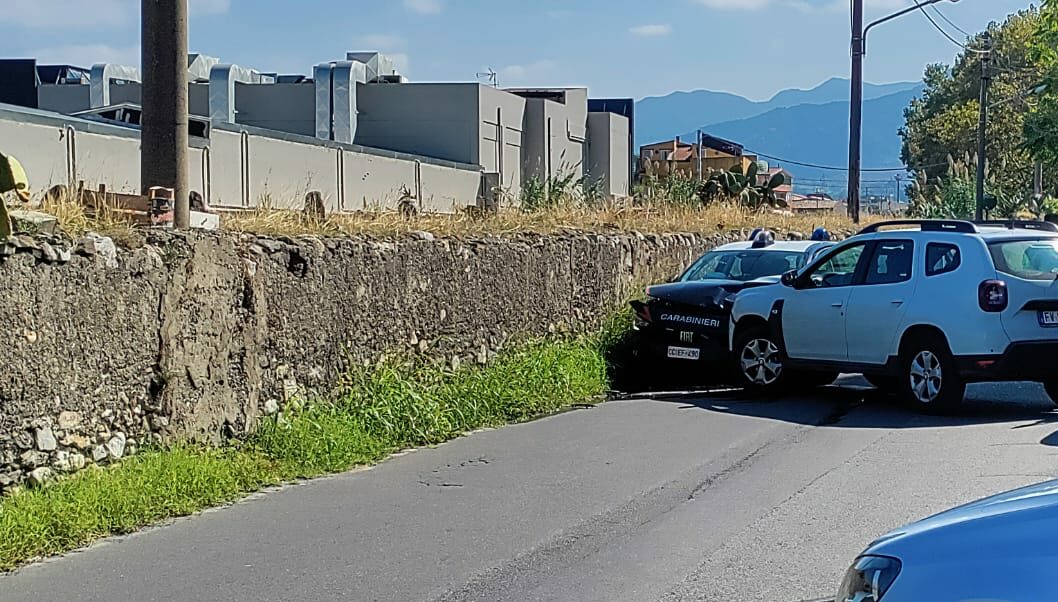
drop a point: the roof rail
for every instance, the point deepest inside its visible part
(1018, 223)
(927, 225)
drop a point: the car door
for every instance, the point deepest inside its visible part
(813, 315)
(876, 308)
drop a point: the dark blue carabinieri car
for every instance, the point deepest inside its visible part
(681, 328)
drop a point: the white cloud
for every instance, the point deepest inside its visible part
(530, 74)
(382, 42)
(734, 4)
(424, 7)
(86, 55)
(651, 31)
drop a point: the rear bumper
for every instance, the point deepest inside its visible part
(653, 344)
(1028, 360)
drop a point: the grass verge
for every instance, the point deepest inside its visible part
(377, 411)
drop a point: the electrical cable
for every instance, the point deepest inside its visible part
(832, 168)
(949, 21)
(922, 8)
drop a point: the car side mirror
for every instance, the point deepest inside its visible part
(790, 278)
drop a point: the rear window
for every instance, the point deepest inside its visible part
(1031, 259)
(743, 265)
(941, 258)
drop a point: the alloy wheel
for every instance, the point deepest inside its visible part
(926, 377)
(760, 362)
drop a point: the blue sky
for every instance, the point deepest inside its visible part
(616, 47)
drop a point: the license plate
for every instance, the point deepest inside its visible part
(684, 353)
(1048, 319)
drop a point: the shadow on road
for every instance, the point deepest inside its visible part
(852, 404)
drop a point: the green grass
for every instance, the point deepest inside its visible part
(376, 411)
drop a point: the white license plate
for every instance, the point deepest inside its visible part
(1048, 319)
(684, 353)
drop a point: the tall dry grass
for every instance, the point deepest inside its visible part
(656, 219)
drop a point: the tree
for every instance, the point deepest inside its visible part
(1041, 126)
(943, 122)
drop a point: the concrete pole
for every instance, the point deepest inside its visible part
(856, 111)
(982, 126)
(163, 145)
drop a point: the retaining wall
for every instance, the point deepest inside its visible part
(198, 336)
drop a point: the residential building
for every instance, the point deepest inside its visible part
(678, 157)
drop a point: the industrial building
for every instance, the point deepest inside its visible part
(355, 130)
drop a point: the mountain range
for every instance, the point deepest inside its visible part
(806, 126)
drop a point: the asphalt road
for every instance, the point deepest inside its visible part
(686, 497)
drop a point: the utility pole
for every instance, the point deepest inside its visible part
(899, 179)
(1037, 180)
(163, 142)
(700, 151)
(982, 126)
(856, 111)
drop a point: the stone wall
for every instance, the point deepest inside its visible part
(197, 336)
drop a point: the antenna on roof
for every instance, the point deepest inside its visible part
(492, 76)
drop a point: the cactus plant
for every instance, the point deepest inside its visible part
(12, 179)
(741, 184)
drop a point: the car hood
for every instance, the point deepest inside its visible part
(704, 292)
(1011, 521)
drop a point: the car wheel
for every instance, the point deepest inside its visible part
(1052, 390)
(929, 381)
(759, 362)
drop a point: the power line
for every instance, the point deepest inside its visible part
(949, 21)
(922, 8)
(829, 167)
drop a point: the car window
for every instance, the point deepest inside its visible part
(891, 262)
(839, 269)
(1032, 259)
(942, 258)
(743, 266)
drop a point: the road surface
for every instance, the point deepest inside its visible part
(671, 499)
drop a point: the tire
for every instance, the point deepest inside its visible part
(928, 379)
(759, 362)
(1052, 390)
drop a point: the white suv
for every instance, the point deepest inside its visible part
(920, 307)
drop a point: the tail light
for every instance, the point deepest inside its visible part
(992, 295)
(642, 310)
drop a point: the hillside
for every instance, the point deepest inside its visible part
(681, 113)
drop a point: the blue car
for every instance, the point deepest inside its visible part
(999, 549)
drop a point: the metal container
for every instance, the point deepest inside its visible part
(162, 206)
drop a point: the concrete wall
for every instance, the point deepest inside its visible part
(435, 120)
(608, 153)
(284, 107)
(197, 336)
(555, 134)
(239, 167)
(502, 115)
(54, 154)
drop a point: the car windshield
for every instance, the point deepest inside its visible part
(1032, 259)
(743, 266)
